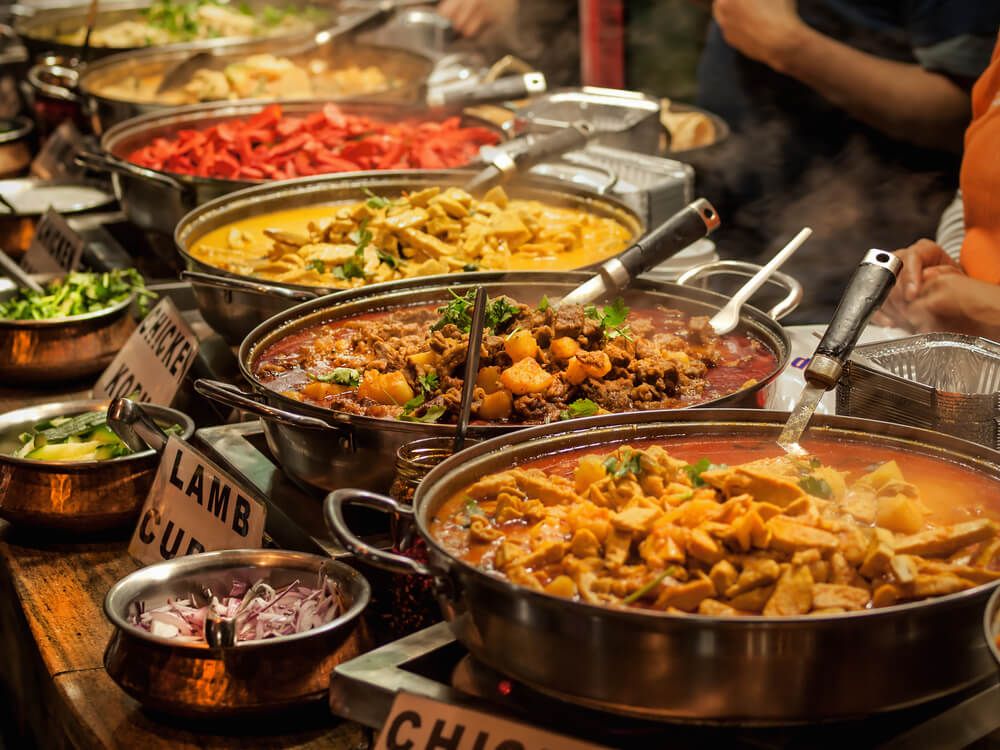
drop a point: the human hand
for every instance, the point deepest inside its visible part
(922, 261)
(472, 17)
(764, 30)
(956, 303)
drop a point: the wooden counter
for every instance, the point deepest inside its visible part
(52, 679)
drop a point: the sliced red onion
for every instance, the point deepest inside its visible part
(269, 614)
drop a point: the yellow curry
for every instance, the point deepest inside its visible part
(642, 527)
(431, 231)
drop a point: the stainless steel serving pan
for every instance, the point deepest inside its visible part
(408, 68)
(156, 200)
(320, 448)
(38, 31)
(748, 670)
(192, 679)
(235, 304)
(79, 496)
(62, 349)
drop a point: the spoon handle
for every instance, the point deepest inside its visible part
(17, 274)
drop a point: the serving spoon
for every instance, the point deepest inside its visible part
(728, 317)
(17, 274)
(867, 289)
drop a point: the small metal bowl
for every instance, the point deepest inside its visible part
(991, 625)
(193, 679)
(15, 149)
(79, 496)
(62, 349)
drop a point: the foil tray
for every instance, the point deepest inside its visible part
(938, 381)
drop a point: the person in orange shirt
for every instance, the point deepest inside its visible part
(935, 292)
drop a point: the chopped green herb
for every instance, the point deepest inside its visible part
(341, 376)
(458, 312)
(645, 589)
(612, 318)
(694, 471)
(472, 507)
(627, 462)
(413, 403)
(816, 487)
(582, 407)
(388, 258)
(316, 265)
(433, 414)
(544, 304)
(376, 202)
(429, 382)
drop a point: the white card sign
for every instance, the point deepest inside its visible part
(194, 506)
(419, 723)
(55, 248)
(154, 360)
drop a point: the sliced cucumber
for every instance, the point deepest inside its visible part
(65, 452)
(107, 451)
(104, 434)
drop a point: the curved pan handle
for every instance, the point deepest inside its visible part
(36, 77)
(245, 285)
(230, 395)
(333, 509)
(135, 427)
(105, 162)
(503, 89)
(549, 146)
(743, 268)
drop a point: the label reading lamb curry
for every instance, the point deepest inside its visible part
(195, 506)
(155, 359)
(418, 723)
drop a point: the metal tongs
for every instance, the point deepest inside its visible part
(139, 431)
(866, 291)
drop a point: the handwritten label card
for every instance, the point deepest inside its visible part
(155, 359)
(55, 248)
(195, 506)
(55, 160)
(418, 723)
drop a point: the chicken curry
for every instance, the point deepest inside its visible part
(426, 232)
(690, 527)
(538, 363)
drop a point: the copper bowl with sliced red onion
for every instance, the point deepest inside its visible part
(234, 632)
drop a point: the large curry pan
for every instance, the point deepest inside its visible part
(38, 30)
(234, 305)
(320, 448)
(157, 201)
(407, 69)
(748, 670)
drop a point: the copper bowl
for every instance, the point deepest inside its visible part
(194, 679)
(83, 496)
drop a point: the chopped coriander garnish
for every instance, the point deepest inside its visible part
(341, 376)
(316, 265)
(611, 318)
(376, 202)
(544, 304)
(582, 407)
(816, 487)
(694, 471)
(429, 382)
(626, 462)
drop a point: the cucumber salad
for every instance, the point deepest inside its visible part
(84, 437)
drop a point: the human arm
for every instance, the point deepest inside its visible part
(472, 17)
(957, 303)
(902, 100)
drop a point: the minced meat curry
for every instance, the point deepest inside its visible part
(538, 363)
